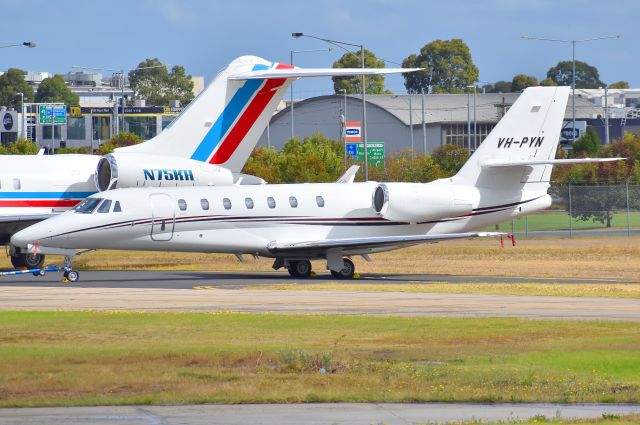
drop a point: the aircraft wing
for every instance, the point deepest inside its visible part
(23, 218)
(317, 72)
(356, 244)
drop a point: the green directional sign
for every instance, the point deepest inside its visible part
(375, 152)
(47, 113)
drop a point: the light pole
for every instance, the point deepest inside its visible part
(291, 52)
(22, 132)
(343, 136)
(475, 138)
(606, 115)
(573, 72)
(469, 122)
(29, 44)
(341, 44)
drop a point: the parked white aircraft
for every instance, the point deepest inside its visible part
(208, 144)
(507, 177)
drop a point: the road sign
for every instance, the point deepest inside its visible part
(568, 133)
(58, 112)
(352, 131)
(375, 152)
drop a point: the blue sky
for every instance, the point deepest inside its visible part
(204, 36)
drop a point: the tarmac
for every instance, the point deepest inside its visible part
(241, 292)
(310, 414)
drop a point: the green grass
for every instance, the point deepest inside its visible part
(90, 358)
(559, 220)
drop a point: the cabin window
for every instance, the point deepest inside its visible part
(16, 184)
(226, 202)
(182, 204)
(105, 206)
(271, 202)
(87, 206)
(320, 201)
(204, 203)
(293, 202)
(249, 203)
(116, 207)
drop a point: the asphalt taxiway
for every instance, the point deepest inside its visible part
(310, 414)
(241, 292)
(139, 279)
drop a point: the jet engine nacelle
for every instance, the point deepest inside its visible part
(143, 170)
(420, 202)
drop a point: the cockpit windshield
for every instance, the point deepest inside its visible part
(87, 206)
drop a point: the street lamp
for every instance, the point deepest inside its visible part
(291, 52)
(29, 44)
(341, 44)
(22, 132)
(343, 136)
(573, 60)
(475, 138)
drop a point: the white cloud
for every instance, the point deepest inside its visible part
(174, 11)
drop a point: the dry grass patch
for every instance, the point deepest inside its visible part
(559, 290)
(86, 358)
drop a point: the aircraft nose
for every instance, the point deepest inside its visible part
(29, 235)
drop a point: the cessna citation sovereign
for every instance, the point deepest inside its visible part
(208, 144)
(506, 177)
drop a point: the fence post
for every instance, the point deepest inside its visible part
(626, 184)
(570, 211)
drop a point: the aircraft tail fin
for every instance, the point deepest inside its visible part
(519, 152)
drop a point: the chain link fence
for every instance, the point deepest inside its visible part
(607, 208)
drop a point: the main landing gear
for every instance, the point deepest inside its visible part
(299, 268)
(347, 271)
(303, 269)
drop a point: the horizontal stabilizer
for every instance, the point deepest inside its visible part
(317, 72)
(524, 163)
(349, 175)
(371, 242)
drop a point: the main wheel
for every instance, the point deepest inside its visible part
(347, 271)
(29, 261)
(300, 268)
(73, 276)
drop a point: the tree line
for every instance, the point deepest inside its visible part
(448, 68)
(151, 80)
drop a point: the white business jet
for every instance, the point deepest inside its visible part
(208, 144)
(507, 177)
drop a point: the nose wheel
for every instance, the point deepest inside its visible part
(71, 276)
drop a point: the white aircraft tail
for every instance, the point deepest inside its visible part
(223, 124)
(519, 152)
